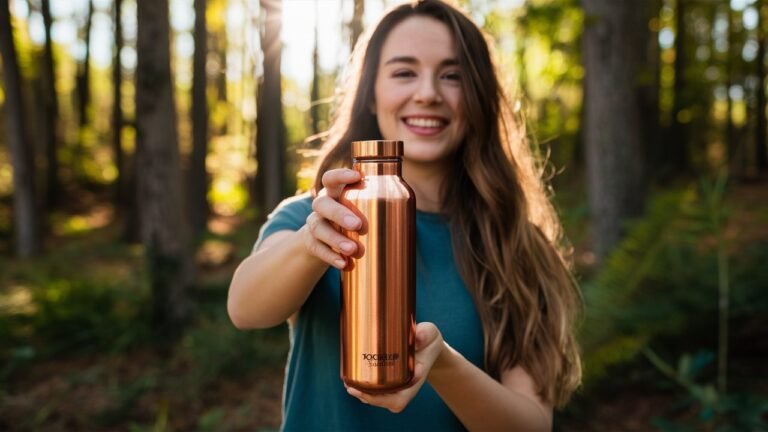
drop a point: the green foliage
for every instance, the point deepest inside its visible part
(215, 349)
(663, 279)
(68, 316)
(723, 412)
(614, 318)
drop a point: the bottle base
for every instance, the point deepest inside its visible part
(380, 389)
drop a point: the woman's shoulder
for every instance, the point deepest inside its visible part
(290, 214)
(296, 205)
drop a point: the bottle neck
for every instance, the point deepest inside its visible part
(374, 167)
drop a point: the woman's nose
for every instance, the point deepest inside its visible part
(427, 93)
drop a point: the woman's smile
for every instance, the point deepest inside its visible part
(425, 125)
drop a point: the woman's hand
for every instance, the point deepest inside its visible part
(320, 237)
(429, 345)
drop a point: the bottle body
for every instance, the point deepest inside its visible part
(378, 289)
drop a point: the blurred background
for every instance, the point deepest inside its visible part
(143, 142)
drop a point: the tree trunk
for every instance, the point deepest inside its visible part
(357, 22)
(163, 224)
(648, 94)
(221, 49)
(613, 136)
(760, 159)
(678, 147)
(24, 206)
(198, 197)
(315, 92)
(729, 130)
(84, 80)
(270, 146)
(117, 112)
(50, 114)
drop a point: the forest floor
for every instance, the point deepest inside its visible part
(216, 378)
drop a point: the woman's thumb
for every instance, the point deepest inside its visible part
(426, 333)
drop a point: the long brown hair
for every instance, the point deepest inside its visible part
(506, 235)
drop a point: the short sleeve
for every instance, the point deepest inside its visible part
(291, 214)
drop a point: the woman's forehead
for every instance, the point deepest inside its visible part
(420, 37)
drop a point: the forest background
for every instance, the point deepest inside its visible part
(143, 142)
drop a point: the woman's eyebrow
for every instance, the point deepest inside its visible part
(413, 60)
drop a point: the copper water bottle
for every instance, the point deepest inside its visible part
(378, 285)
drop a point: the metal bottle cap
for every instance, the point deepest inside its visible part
(377, 149)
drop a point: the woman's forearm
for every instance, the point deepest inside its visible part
(272, 284)
(480, 402)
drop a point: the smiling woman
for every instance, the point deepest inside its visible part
(495, 300)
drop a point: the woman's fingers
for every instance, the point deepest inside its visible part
(324, 241)
(335, 212)
(318, 248)
(321, 230)
(335, 180)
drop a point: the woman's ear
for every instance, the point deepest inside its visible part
(372, 107)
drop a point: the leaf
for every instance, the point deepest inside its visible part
(684, 367)
(701, 360)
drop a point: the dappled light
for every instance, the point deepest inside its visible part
(122, 224)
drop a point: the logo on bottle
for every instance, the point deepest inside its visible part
(381, 359)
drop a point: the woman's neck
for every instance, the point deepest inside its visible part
(426, 180)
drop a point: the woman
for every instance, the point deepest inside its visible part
(495, 297)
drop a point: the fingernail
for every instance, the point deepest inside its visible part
(351, 222)
(347, 246)
(340, 263)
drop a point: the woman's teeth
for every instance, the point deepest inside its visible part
(425, 123)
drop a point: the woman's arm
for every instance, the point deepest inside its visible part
(271, 285)
(480, 402)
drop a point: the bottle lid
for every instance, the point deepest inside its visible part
(377, 149)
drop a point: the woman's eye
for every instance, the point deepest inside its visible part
(453, 76)
(403, 74)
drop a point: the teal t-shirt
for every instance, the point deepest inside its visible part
(314, 397)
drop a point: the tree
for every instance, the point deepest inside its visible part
(198, 190)
(24, 209)
(357, 22)
(648, 93)
(760, 143)
(117, 109)
(678, 143)
(270, 141)
(50, 113)
(729, 129)
(83, 78)
(315, 91)
(163, 224)
(613, 138)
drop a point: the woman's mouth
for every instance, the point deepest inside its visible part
(425, 126)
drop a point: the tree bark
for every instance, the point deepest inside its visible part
(117, 111)
(760, 142)
(315, 91)
(25, 212)
(678, 146)
(357, 22)
(270, 141)
(163, 224)
(50, 114)
(613, 136)
(198, 196)
(648, 93)
(84, 79)
(729, 129)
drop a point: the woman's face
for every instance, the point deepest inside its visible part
(418, 90)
